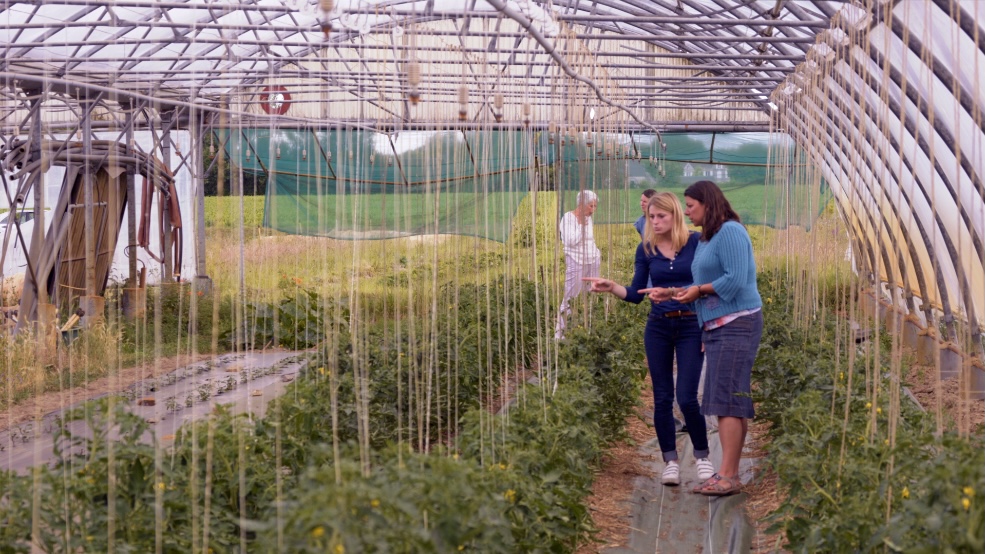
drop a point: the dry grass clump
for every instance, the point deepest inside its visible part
(33, 364)
(765, 495)
(958, 411)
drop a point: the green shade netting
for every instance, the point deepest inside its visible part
(620, 166)
(357, 184)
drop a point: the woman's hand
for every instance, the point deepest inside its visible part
(599, 284)
(658, 294)
(688, 295)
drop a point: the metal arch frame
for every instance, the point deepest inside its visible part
(880, 225)
(939, 70)
(915, 134)
(922, 142)
(878, 196)
(725, 38)
(873, 120)
(272, 68)
(273, 14)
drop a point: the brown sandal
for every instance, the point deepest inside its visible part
(716, 485)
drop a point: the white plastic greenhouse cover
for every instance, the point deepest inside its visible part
(886, 95)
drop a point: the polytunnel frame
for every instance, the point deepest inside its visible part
(738, 43)
(863, 73)
(880, 60)
(733, 29)
(854, 174)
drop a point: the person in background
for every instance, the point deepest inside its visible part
(665, 256)
(581, 256)
(729, 310)
(640, 224)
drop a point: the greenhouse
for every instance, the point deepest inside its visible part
(349, 276)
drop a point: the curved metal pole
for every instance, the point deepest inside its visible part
(878, 227)
(552, 52)
(841, 139)
(872, 140)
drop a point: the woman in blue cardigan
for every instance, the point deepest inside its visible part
(729, 310)
(665, 256)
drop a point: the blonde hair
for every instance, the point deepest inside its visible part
(665, 202)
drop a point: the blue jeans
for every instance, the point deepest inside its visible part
(665, 336)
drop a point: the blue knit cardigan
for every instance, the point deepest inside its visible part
(726, 261)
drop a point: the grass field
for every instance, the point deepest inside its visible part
(381, 268)
(223, 212)
(383, 215)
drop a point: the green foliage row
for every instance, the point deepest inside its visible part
(296, 480)
(849, 487)
(515, 484)
(223, 212)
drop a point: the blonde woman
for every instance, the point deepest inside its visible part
(665, 256)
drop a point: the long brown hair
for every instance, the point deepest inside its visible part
(665, 202)
(717, 208)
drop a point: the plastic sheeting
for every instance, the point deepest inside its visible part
(894, 121)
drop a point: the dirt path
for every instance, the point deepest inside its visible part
(48, 402)
(612, 489)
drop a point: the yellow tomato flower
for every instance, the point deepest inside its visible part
(878, 410)
(969, 492)
(374, 503)
(160, 486)
(318, 532)
(868, 405)
(906, 492)
(339, 549)
(966, 502)
(510, 495)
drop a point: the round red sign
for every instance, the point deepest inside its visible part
(275, 100)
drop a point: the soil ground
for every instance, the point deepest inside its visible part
(614, 483)
(51, 401)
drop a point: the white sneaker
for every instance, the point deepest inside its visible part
(672, 474)
(705, 468)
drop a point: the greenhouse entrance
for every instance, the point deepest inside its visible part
(492, 276)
